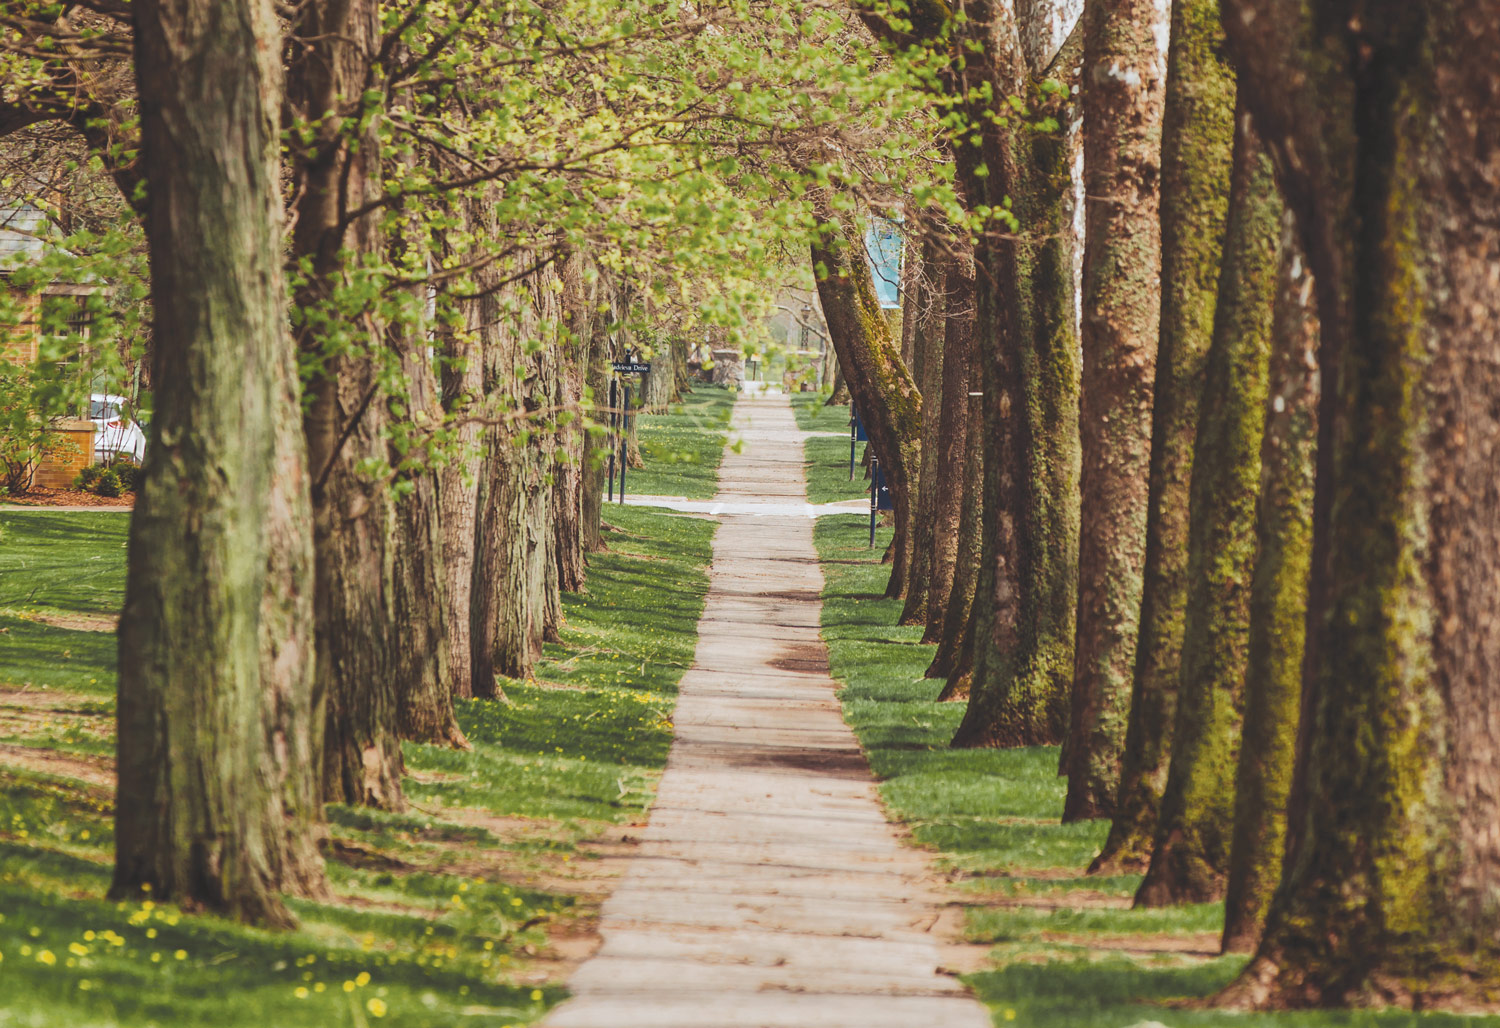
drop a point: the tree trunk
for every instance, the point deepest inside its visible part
(511, 569)
(217, 748)
(1393, 860)
(840, 395)
(954, 658)
(458, 481)
(1123, 83)
(927, 299)
(344, 416)
(596, 379)
(1027, 343)
(955, 461)
(1278, 604)
(1197, 134)
(567, 521)
(420, 663)
(1191, 855)
(879, 383)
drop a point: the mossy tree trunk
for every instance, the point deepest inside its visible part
(345, 413)
(217, 731)
(1387, 136)
(1278, 603)
(1026, 342)
(1197, 135)
(1191, 855)
(954, 462)
(1124, 74)
(879, 383)
(927, 298)
(954, 657)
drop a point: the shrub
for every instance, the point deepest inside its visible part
(88, 477)
(126, 471)
(108, 483)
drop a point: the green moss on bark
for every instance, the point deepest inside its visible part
(1197, 137)
(1191, 855)
(1278, 604)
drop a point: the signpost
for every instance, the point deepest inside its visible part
(880, 494)
(857, 434)
(619, 419)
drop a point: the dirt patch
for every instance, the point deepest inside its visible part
(1079, 899)
(1204, 945)
(95, 771)
(848, 763)
(69, 498)
(44, 699)
(794, 595)
(805, 659)
(76, 622)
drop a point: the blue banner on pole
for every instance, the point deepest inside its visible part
(883, 248)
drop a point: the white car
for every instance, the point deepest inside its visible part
(115, 435)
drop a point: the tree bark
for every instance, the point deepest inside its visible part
(458, 481)
(1197, 134)
(1123, 84)
(1191, 856)
(927, 299)
(420, 663)
(512, 556)
(954, 658)
(217, 746)
(955, 462)
(839, 397)
(577, 334)
(596, 380)
(1027, 343)
(344, 416)
(1387, 138)
(880, 385)
(1278, 604)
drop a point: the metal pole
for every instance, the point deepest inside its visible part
(852, 432)
(874, 494)
(613, 415)
(624, 441)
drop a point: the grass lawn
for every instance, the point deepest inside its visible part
(682, 448)
(450, 914)
(1067, 952)
(826, 458)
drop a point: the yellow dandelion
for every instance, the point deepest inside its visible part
(78, 949)
(536, 995)
(46, 957)
(348, 986)
(362, 979)
(180, 954)
(375, 1006)
(300, 992)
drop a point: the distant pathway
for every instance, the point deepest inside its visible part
(768, 890)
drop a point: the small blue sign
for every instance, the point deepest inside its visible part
(883, 248)
(860, 435)
(883, 499)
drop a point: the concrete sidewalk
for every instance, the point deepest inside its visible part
(768, 890)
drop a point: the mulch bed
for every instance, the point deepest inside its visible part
(68, 498)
